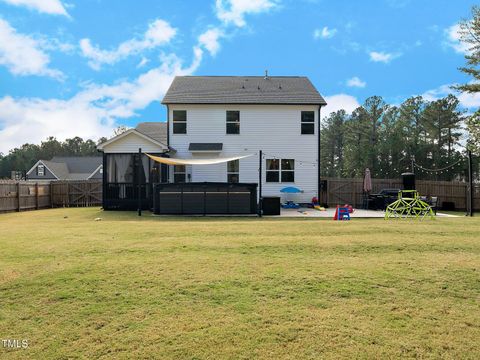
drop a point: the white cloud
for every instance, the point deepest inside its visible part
(339, 102)
(52, 7)
(467, 101)
(324, 33)
(144, 61)
(96, 109)
(210, 40)
(92, 112)
(384, 57)
(356, 82)
(234, 11)
(22, 54)
(453, 39)
(159, 33)
(33, 120)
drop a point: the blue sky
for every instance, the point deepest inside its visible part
(70, 67)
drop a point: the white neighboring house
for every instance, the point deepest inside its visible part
(228, 116)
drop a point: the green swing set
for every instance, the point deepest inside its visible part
(409, 205)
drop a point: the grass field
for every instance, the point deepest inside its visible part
(237, 288)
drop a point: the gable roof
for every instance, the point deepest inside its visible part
(71, 167)
(148, 131)
(60, 170)
(284, 90)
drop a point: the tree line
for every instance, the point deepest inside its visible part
(24, 157)
(387, 139)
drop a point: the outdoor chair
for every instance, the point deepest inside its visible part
(434, 204)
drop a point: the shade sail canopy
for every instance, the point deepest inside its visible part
(212, 161)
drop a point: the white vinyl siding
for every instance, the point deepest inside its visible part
(130, 144)
(275, 129)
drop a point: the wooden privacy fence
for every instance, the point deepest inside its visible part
(350, 191)
(76, 193)
(28, 195)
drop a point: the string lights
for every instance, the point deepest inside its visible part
(436, 171)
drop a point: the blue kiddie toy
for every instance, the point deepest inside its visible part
(290, 205)
(290, 190)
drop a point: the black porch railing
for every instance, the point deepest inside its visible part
(124, 196)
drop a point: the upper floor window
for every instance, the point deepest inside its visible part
(179, 173)
(280, 170)
(233, 122)
(41, 170)
(233, 171)
(308, 122)
(179, 121)
(288, 170)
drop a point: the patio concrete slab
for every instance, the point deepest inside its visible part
(330, 212)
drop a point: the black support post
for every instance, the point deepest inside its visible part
(470, 184)
(139, 182)
(104, 181)
(260, 207)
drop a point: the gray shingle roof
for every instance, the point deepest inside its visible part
(242, 90)
(73, 167)
(59, 169)
(205, 147)
(78, 164)
(155, 130)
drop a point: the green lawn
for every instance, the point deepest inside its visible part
(238, 288)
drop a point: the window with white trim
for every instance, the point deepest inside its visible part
(308, 122)
(273, 170)
(179, 121)
(280, 170)
(233, 171)
(233, 122)
(179, 173)
(41, 170)
(288, 170)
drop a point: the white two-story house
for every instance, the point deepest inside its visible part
(228, 116)
(212, 117)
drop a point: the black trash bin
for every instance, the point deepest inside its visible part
(271, 205)
(408, 181)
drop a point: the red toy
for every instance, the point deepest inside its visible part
(341, 213)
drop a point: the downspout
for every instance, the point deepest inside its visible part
(167, 167)
(168, 126)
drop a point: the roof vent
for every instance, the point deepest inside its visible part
(280, 86)
(258, 87)
(266, 75)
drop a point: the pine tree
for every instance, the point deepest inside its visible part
(332, 142)
(470, 35)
